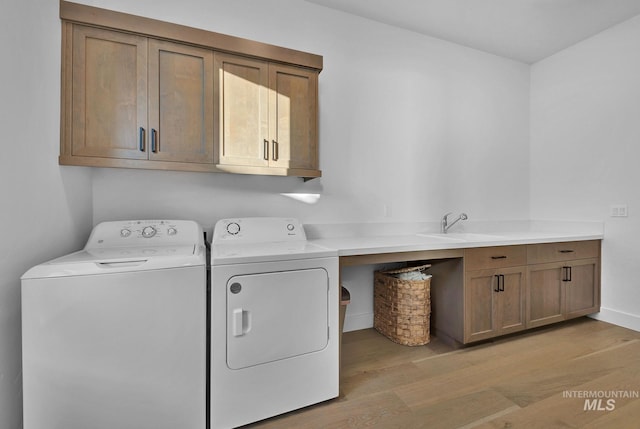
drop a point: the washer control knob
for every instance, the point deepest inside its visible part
(233, 228)
(125, 232)
(291, 227)
(172, 231)
(148, 231)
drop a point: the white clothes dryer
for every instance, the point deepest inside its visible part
(114, 336)
(274, 320)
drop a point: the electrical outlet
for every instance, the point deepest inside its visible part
(619, 210)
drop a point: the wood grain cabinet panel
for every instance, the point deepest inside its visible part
(109, 93)
(546, 294)
(480, 305)
(135, 100)
(180, 103)
(512, 296)
(267, 116)
(583, 288)
(495, 257)
(141, 93)
(293, 118)
(494, 303)
(562, 251)
(565, 288)
(242, 121)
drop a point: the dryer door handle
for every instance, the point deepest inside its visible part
(240, 323)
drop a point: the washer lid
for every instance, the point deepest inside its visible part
(124, 253)
(118, 260)
(134, 245)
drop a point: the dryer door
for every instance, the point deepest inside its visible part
(277, 315)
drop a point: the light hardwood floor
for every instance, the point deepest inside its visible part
(522, 381)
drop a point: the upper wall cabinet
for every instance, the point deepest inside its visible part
(140, 93)
(139, 100)
(267, 115)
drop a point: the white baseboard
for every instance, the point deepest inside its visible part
(355, 322)
(620, 318)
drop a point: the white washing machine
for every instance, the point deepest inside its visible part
(274, 320)
(114, 336)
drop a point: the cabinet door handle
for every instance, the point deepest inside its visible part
(566, 274)
(265, 150)
(275, 154)
(569, 274)
(501, 287)
(154, 142)
(141, 139)
(497, 289)
(566, 251)
(499, 257)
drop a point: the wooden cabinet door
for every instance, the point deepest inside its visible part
(479, 305)
(293, 117)
(511, 300)
(562, 290)
(242, 120)
(180, 103)
(494, 303)
(546, 297)
(583, 289)
(109, 93)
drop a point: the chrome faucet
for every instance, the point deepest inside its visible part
(445, 225)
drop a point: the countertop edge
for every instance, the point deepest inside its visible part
(349, 247)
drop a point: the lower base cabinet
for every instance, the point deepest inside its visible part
(494, 302)
(499, 290)
(562, 290)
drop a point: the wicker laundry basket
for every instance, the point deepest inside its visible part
(402, 307)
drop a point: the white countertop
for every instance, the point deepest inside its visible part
(367, 239)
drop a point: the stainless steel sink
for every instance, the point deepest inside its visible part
(440, 238)
(461, 236)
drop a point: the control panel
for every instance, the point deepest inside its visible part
(144, 233)
(258, 230)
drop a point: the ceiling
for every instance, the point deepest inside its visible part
(524, 30)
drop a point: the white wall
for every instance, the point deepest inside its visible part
(46, 210)
(417, 124)
(585, 135)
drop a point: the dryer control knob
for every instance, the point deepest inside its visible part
(125, 232)
(291, 227)
(148, 231)
(233, 228)
(172, 231)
